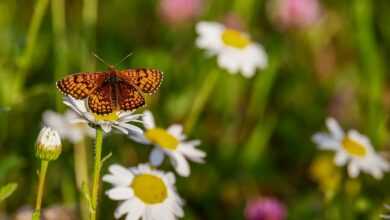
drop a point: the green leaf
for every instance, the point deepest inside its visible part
(7, 190)
(106, 158)
(85, 192)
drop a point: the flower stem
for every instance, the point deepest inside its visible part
(81, 171)
(201, 99)
(96, 173)
(41, 185)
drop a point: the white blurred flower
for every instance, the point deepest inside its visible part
(74, 132)
(48, 145)
(235, 50)
(145, 193)
(170, 142)
(386, 216)
(119, 119)
(351, 148)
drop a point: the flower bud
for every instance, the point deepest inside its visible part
(48, 146)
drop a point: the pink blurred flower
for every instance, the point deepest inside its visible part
(296, 13)
(180, 11)
(266, 208)
(233, 21)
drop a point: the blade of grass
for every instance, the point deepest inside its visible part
(60, 44)
(372, 65)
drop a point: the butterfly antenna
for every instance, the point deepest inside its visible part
(124, 58)
(104, 62)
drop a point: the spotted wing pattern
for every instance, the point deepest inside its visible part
(129, 98)
(146, 80)
(101, 100)
(81, 85)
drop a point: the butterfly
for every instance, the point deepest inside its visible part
(112, 90)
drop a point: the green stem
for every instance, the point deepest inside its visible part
(41, 185)
(96, 173)
(81, 171)
(201, 99)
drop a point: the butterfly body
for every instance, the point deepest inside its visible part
(112, 90)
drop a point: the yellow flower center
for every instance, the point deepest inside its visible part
(149, 188)
(353, 147)
(235, 38)
(113, 116)
(162, 138)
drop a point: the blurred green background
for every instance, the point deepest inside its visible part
(256, 132)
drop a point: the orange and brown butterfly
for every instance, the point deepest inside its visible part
(112, 90)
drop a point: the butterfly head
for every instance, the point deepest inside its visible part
(111, 67)
(113, 79)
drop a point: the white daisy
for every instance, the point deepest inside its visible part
(48, 145)
(119, 119)
(170, 141)
(74, 132)
(352, 148)
(145, 193)
(234, 49)
(386, 216)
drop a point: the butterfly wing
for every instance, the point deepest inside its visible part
(81, 85)
(101, 100)
(146, 80)
(129, 98)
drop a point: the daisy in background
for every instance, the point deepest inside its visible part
(235, 50)
(386, 216)
(119, 119)
(145, 193)
(170, 142)
(74, 132)
(351, 148)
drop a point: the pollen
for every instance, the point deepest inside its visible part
(162, 138)
(353, 147)
(149, 188)
(113, 116)
(235, 39)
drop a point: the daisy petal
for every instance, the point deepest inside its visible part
(117, 180)
(120, 171)
(136, 212)
(171, 178)
(180, 164)
(335, 128)
(106, 126)
(177, 131)
(120, 193)
(341, 158)
(148, 120)
(192, 153)
(353, 170)
(138, 137)
(156, 157)
(131, 127)
(325, 141)
(123, 208)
